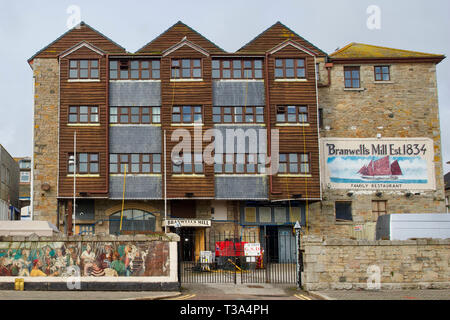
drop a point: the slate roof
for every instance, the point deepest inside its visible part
(366, 51)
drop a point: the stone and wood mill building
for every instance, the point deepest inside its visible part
(357, 134)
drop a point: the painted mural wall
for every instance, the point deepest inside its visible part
(94, 259)
(378, 164)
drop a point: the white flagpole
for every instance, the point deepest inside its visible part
(74, 180)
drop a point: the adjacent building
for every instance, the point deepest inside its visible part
(346, 136)
(9, 187)
(24, 187)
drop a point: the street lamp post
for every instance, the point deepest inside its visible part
(177, 231)
(298, 229)
(73, 162)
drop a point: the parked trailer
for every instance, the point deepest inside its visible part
(413, 226)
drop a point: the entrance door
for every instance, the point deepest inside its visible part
(187, 239)
(286, 245)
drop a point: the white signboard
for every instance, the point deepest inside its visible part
(252, 249)
(187, 223)
(378, 164)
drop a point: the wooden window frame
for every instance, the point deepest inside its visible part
(377, 213)
(235, 115)
(284, 110)
(117, 112)
(78, 115)
(180, 68)
(287, 162)
(89, 163)
(381, 73)
(89, 69)
(120, 163)
(242, 69)
(192, 114)
(295, 68)
(230, 161)
(128, 64)
(182, 165)
(351, 69)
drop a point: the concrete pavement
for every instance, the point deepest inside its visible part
(382, 294)
(85, 295)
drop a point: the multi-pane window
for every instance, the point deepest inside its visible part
(187, 114)
(190, 163)
(240, 163)
(294, 163)
(343, 211)
(237, 69)
(25, 164)
(292, 114)
(238, 114)
(186, 68)
(134, 115)
(379, 208)
(83, 69)
(25, 176)
(290, 68)
(352, 77)
(83, 114)
(135, 163)
(86, 229)
(87, 163)
(382, 73)
(134, 69)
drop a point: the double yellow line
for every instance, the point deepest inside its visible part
(302, 297)
(184, 297)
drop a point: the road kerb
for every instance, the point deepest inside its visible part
(319, 295)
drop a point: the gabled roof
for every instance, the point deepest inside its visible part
(174, 35)
(79, 33)
(360, 51)
(275, 35)
(79, 46)
(182, 43)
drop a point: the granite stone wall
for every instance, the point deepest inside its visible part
(404, 107)
(351, 264)
(45, 152)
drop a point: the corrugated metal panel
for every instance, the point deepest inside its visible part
(238, 93)
(235, 187)
(137, 187)
(136, 139)
(134, 93)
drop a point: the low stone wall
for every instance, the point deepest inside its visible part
(361, 264)
(137, 263)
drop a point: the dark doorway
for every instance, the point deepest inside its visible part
(187, 244)
(272, 243)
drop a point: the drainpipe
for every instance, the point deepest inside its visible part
(269, 135)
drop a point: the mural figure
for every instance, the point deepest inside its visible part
(97, 259)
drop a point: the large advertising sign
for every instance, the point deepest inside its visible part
(378, 164)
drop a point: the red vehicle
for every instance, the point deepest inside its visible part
(230, 249)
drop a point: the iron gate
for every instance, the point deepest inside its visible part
(208, 256)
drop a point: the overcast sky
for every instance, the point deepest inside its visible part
(28, 26)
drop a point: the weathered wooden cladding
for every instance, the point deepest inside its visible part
(192, 93)
(90, 139)
(295, 139)
(272, 37)
(73, 37)
(174, 35)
